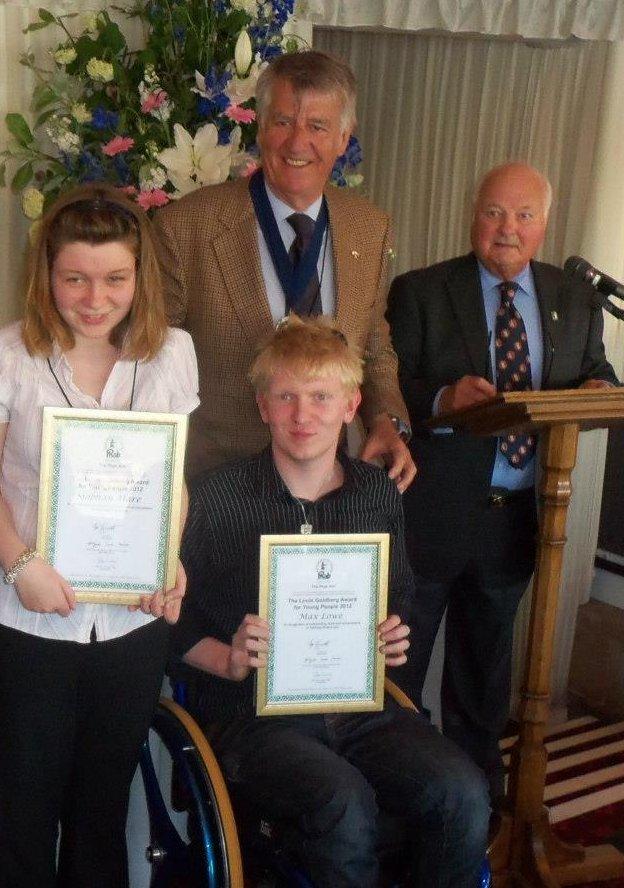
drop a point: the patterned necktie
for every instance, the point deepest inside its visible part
(310, 301)
(513, 369)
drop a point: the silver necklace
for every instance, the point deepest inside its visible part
(306, 527)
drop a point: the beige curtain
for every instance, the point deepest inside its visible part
(435, 112)
(15, 91)
(553, 19)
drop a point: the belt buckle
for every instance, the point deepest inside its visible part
(497, 499)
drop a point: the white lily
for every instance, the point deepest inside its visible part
(196, 161)
(200, 86)
(240, 89)
(242, 164)
(243, 53)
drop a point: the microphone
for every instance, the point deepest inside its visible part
(581, 269)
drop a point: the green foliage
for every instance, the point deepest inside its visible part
(157, 121)
(19, 129)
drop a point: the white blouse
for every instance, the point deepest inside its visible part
(168, 384)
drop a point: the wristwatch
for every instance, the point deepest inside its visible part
(401, 427)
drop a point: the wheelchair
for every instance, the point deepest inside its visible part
(208, 853)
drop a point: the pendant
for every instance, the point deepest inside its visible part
(306, 528)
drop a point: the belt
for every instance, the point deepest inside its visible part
(502, 496)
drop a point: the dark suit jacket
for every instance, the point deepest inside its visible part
(215, 290)
(439, 332)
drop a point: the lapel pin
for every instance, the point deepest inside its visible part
(355, 254)
(554, 315)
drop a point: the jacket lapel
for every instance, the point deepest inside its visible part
(238, 256)
(549, 295)
(464, 291)
(350, 250)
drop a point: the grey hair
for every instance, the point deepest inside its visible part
(309, 70)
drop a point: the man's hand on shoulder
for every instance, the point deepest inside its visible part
(384, 442)
(466, 392)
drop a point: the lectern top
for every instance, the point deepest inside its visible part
(524, 411)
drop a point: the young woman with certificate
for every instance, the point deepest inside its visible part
(78, 682)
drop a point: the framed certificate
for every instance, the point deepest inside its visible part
(323, 596)
(110, 494)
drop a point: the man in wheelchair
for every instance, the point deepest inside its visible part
(326, 776)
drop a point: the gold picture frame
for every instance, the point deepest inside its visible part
(110, 499)
(324, 596)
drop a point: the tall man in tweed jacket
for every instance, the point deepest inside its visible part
(220, 274)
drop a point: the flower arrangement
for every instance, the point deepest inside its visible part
(157, 122)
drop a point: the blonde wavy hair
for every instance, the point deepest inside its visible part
(313, 348)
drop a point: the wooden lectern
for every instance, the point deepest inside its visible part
(525, 851)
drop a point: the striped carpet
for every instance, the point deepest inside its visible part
(585, 783)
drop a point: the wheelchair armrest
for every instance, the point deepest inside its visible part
(398, 695)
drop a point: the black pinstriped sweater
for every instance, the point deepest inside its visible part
(230, 508)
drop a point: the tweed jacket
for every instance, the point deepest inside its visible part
(215, 289)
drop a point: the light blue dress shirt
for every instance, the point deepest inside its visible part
(325, 266)
(526, 301)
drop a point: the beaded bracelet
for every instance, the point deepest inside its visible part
(19, 564)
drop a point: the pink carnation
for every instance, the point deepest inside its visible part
(239, 114)
(118, 145)
(250, 168)
(155, 198)
(153, 101)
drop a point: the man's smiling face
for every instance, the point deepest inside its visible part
(510, 219)
(300, 137)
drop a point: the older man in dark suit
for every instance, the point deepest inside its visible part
(493, 319)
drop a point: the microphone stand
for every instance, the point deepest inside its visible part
(611, 307)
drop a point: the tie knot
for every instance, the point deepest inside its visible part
(303, 227)
(508, 290)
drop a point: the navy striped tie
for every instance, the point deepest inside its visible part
(513, 369)
(310, 301)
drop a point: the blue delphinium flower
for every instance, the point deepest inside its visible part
(102, 119)
(69, 162)
(347, 161)
(281, 10)
(353, 152)
(270, 51)
(266, 31)
(212, 100)
(90, 169)
(122, 169)
(223, 135)
(210, 107)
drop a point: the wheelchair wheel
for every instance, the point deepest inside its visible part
(210, 858)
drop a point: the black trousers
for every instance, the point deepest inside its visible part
(481, 601)
(326, 778)
(72, 720)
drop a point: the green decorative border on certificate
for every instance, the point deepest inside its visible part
(273, 549)
(56, 421)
